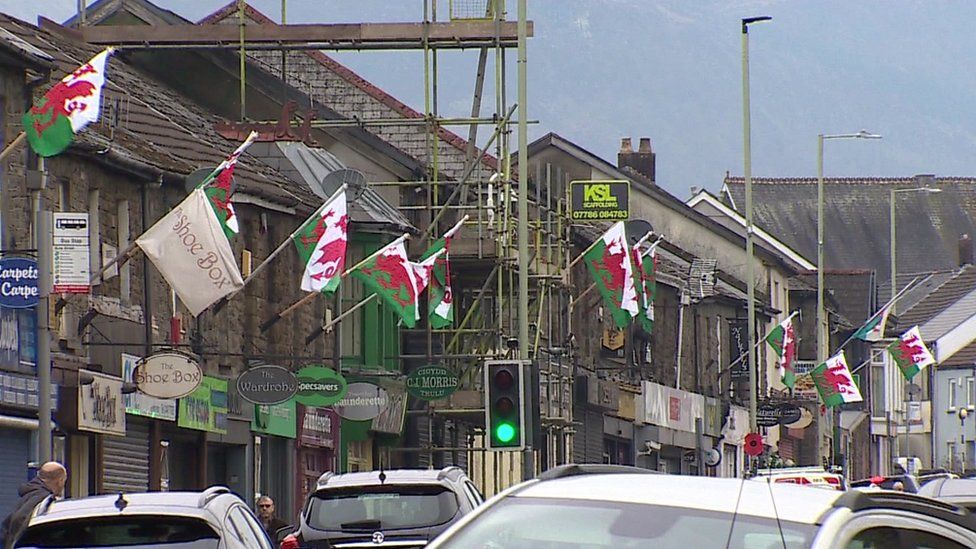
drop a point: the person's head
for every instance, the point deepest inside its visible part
(54, 476)
(898, 486)
(266, 507)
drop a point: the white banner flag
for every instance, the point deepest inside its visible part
(191, 251)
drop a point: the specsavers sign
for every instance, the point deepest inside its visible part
(600, 200)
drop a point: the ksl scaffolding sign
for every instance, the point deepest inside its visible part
(600, 200)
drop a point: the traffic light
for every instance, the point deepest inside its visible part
(504, 405)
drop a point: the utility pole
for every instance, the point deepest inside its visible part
(528, 462)
(43, 245)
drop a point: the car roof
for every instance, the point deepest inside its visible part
(728, 495)
(394, 476)
(208, 505)
(951, 489)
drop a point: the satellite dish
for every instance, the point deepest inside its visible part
(355, 181)
(197, 176)
(913, 391)
(637, 228)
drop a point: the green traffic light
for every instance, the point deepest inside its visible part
(505, 433)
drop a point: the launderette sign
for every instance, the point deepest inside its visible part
(18, 283)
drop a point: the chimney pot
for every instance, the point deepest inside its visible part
(965, 250)
(645, 145)
(625, 146)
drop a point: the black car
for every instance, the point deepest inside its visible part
(404, 508)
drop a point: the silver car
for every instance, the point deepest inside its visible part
(583, 506)
(212, 519)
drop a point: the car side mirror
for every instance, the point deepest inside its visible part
(280, 533)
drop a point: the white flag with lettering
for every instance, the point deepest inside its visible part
(190, 249)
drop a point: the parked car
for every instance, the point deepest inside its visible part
(582, 506)
(403, 508)
(908, 482)
(957, 491)
(212, 519)
(927, 475)
(815, 477)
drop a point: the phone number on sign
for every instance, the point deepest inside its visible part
(602, 214)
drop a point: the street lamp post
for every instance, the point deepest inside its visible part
(891, 219)
(747, 169)
(822, 328)
(963, 413)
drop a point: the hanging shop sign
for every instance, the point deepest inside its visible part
(139, 404)
(363, 401)
(432, 382)
(789, 413)
(71, 263)
(267, 384)
(100, 406)
(319, 427)
(167, 375)
(600, 200)
(205, 409)
(390, 420)
(275, 419)
(18, 283)
(320, 386)
(767, 415)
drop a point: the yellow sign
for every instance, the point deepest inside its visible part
(600, 200)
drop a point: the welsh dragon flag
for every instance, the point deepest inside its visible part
(609, 261)
(219, 187)
(70, 105)
(645, 264)
(873, 329)
(783, 341)
(910, 354)
(440, 297)
(834, 382)
(396, 279)
(321, 244)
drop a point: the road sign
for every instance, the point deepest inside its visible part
(71, 267)
(600, 200)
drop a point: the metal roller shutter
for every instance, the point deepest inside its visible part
(14, 455)
(126, 459)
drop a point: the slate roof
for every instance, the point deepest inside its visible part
(938, 300)
(161, 131)
(856, 212)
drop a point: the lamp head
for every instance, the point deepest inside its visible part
(746, 21)
(963, 414)
(864, 134)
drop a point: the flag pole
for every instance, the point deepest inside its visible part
(328, 327)
(233, 156)
(891, 301)
(284, 243)
(267, 324)
(12, 145)
(639, 242)
(653, 246)
(457, 227)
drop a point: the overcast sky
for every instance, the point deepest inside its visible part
(672, 71)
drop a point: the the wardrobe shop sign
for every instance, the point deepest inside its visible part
(167, 375)
(18, 283)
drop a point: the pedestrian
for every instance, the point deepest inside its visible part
(898, 486)
(266, 514)
(50, 481)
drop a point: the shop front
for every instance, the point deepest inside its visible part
(318, 440)
(275, 429)
(671, 430)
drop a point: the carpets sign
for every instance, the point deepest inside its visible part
(18, 283)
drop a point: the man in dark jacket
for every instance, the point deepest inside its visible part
(266, 513)
(50, 481)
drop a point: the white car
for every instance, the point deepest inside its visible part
(591, 506)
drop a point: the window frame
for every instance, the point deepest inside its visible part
(903, 520)
(971, 393)
(953, 389)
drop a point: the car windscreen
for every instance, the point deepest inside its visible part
(130, 531)
(381, 507)
(566, 523)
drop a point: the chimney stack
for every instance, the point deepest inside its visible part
(965, 250)
(642, 161)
